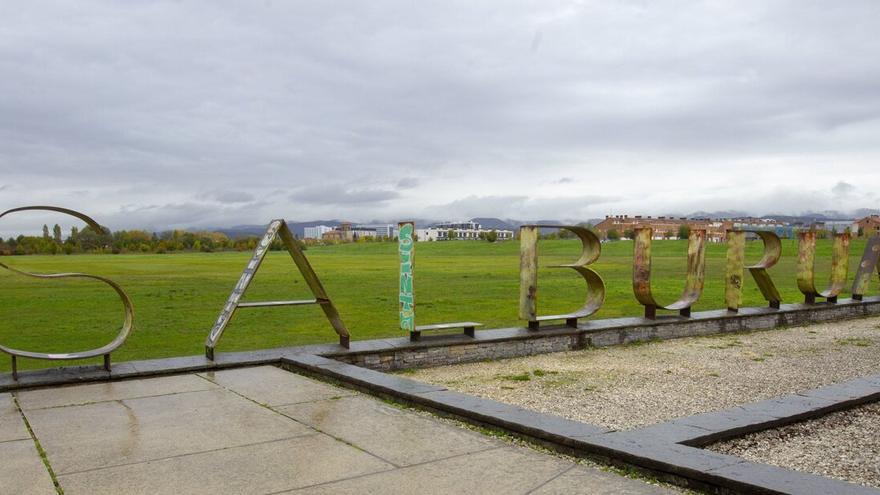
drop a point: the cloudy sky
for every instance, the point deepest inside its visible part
(186, 114)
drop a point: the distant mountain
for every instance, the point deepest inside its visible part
(714, 214)
(494, 223)
(298, 228)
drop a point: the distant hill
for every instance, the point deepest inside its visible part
(494, 223)
(298, 228)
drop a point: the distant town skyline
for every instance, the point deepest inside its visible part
(161, 115)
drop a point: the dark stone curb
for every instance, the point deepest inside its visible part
(654, 448)
(704, 429)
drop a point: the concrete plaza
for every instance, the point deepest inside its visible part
(261, 430)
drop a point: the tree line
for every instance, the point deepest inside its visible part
(87, 240)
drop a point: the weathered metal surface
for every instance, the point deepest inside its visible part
(733, 278)
(806, 276)
(528, 272)
(736, 240)
(406, 294)
(696, 272)
(591, 249)
(866, 269)
(277, 228)
(772, 253)
(128, 308)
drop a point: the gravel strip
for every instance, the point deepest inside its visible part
(842, 445)
(625, 387)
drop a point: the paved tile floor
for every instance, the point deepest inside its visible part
(261, 430)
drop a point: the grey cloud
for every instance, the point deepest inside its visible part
(229, 196)
(407, 183)
(842, 189)
(522, 207)
(152, 105)
(339, 195)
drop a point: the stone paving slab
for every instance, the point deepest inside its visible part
(506, 415)
(499, 470)
(78, 438)
(22, 471)
(584, 481)
(261, 468)
(100, 392)
(396, 435)
(12, 427)
(217, 441)
(273, 386)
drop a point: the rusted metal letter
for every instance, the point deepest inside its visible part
(736, 240)
(866, 268)
(696, 272)
(591, 248)
(127, 323)
(277, 228)
(806, 277)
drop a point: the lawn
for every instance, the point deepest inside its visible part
(178, 296)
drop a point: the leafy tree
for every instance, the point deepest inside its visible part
(45, 232)
(492, 236)
(684, 231)
(56, 234)
(629, 233)
(613, 235)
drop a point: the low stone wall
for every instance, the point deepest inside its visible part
(440, 354)
(515, 342)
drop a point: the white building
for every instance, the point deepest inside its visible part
(459, 231)
(315, 232)
(360, 232)
(383, 230)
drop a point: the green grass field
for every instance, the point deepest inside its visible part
(178, 296)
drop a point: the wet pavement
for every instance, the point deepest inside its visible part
(261, 430)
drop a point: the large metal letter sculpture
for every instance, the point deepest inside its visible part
(866, 268)
(591, 248)
(127, 323)
(406, 298)
(806, 277)
(736, 245)
(696, 271)
(276, 228)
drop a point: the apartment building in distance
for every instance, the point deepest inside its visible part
(867, 226)
(716, 229)
(346, 232)
(315, 232)
(664, 227)
(460, 231)
(383, 231)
